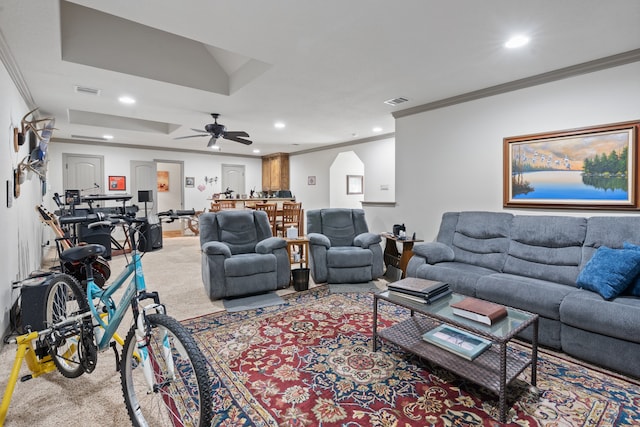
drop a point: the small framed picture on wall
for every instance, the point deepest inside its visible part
(117, 183)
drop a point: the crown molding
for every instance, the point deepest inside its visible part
(551, 76)
(14, 72)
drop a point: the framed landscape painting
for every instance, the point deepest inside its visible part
(587, 168)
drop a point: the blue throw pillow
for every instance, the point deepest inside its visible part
(610, 271)
(634, 287)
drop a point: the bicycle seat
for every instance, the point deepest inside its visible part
(81, 252)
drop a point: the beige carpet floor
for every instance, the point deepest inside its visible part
(96, 399)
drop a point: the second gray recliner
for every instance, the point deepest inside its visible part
(342, 248)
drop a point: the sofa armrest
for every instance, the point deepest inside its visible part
(319, 239)
(364, 240)
(270, 244)
(433, 252)
(216, 248)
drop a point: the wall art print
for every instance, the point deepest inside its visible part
(163, 181)
(587, 168)
(117, 183)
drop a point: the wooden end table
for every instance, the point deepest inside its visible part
(302, 243)
(395, 258)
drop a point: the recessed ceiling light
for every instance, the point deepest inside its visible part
(279, 125)
(107, 136)
(127, 100)
(215, 147)
(516, 41)
(255, 150)
(377, 129)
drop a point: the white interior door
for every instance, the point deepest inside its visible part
(144, 177)
(83, 172)
(233, 178)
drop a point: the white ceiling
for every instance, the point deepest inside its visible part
(322, 67)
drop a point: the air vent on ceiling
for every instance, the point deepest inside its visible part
(87, 90)
(395, 101)
(91, 138)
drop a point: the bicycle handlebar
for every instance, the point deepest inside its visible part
(85, 218)
(177, 213)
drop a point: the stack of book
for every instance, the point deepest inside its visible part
(479, 310)
(420, 290)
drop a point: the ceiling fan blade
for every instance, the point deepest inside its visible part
(190, 136)
(236, 139)
(212, 142)
(199, 130)
(234, 134)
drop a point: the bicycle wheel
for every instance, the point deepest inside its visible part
(184, 399)
(65, 298)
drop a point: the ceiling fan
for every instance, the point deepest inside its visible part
(216, 131)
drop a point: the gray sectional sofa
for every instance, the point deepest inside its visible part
(533, 263)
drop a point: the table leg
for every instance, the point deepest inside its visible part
(375, 323)
(503, 381)
(534, 355)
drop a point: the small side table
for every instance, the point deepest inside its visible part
(302, 243)
(395, 258)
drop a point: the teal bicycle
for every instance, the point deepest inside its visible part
(163, 373)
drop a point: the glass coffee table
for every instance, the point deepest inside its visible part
(494, 368)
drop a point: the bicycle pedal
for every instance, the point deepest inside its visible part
(26, 378)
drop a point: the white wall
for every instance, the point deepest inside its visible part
(451, 159)
(21, 231)
(346, 163)
(379, 170)
(116, 162)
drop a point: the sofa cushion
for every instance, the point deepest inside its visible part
(617, 318)
(610, 271)
(610, 231)
(461, 277)
(349, 256)
(249, 264)
(526, 293)
(482, 239)
(546, 247)
(238, 231)
(634, 287)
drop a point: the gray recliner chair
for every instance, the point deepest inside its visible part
(239, 254)
(342, 249)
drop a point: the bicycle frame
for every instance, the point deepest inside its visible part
(115, 313)
(133, 293)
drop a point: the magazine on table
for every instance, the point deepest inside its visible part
(457, 341)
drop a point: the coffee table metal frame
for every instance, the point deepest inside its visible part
(494, 369)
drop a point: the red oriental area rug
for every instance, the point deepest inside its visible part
(309, 362)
